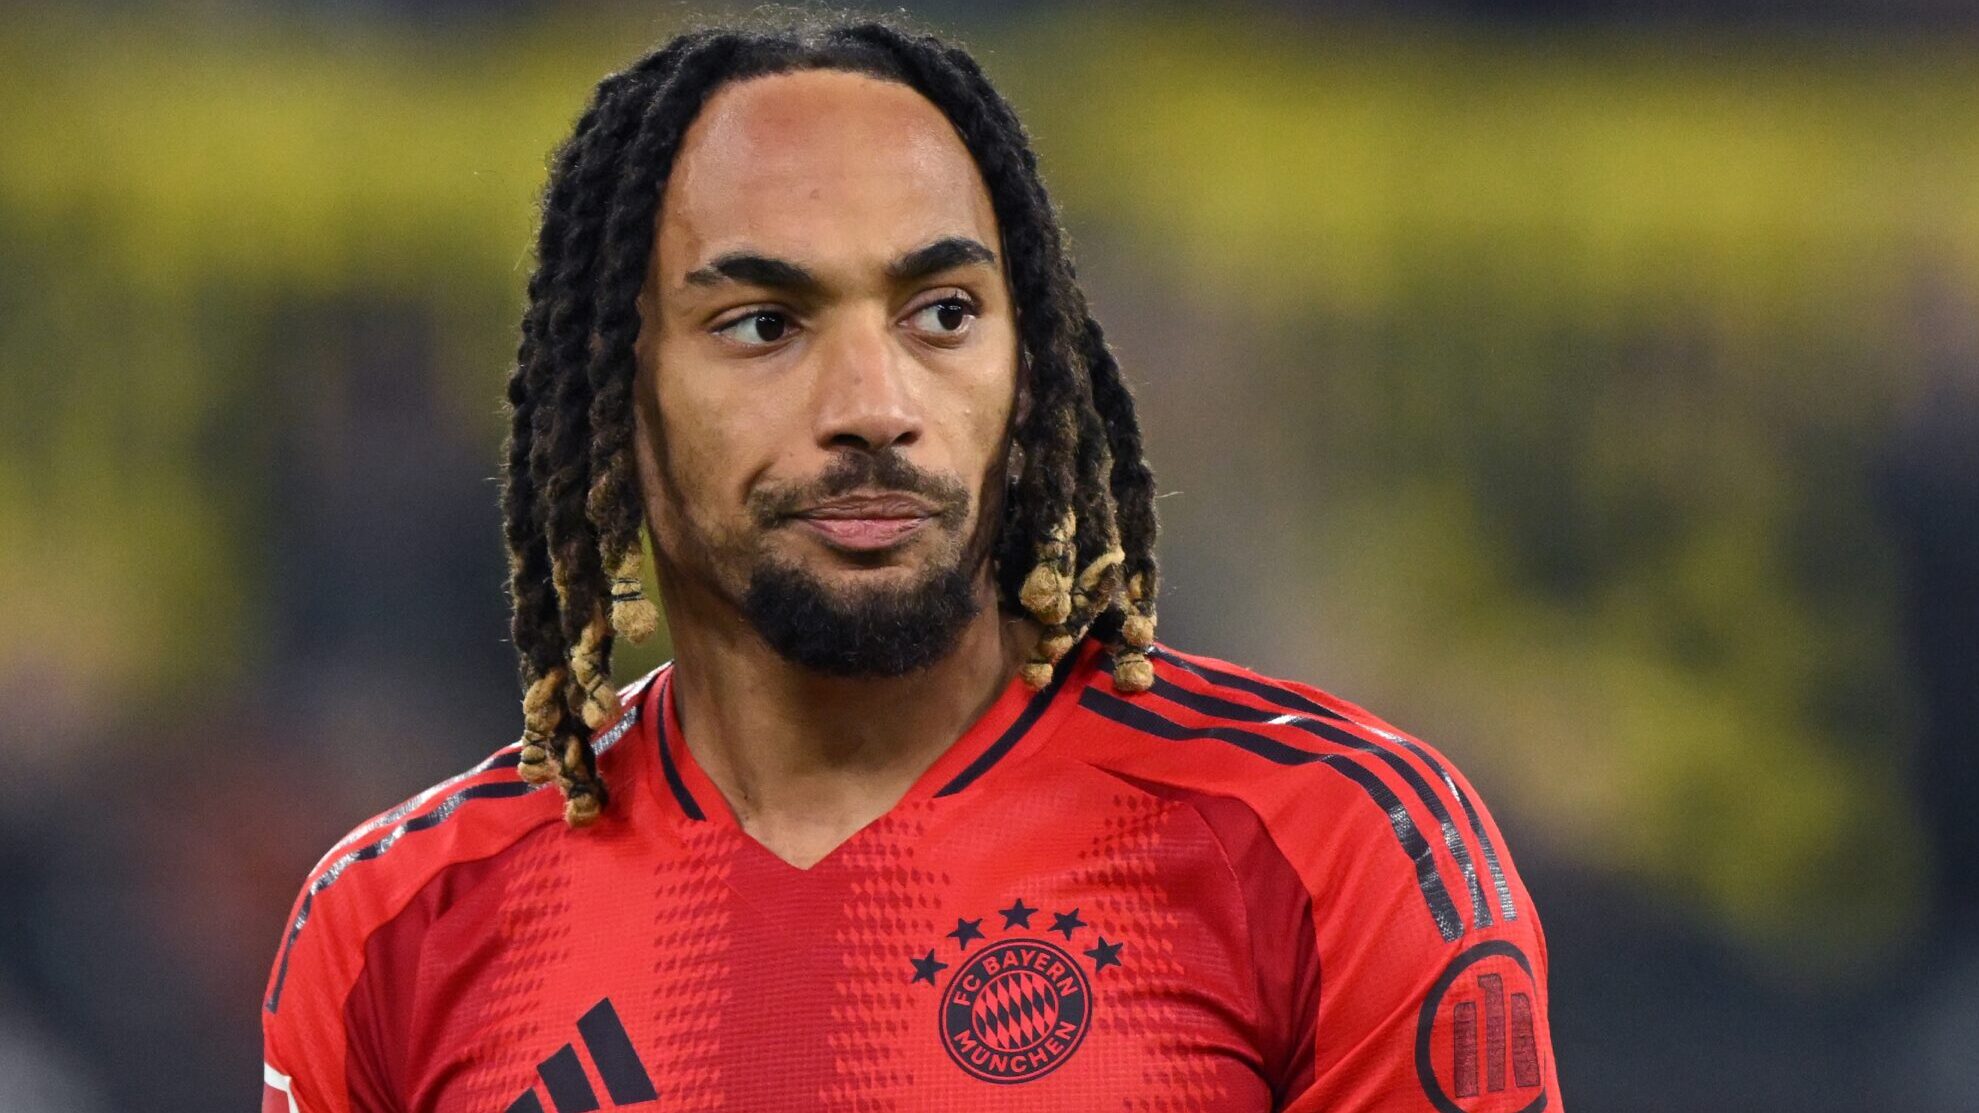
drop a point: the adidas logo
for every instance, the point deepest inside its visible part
(567, 1084)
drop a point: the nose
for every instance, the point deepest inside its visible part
(864, 396)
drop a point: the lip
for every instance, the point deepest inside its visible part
(866, 523)
(864, 535)
(889, 505)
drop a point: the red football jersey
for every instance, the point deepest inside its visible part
(1227, 893)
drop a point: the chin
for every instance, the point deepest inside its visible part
(876, 622)
(905, 563)
(872, 574)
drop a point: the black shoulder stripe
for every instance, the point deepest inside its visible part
(1293, 701)
(1441, 909)
(1453, 840)
(365, 853)
(1263, 689)
(506, 758)
(440, 814)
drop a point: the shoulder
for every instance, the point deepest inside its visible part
(378, 868)
(1224, 726)
(1415, 912)
(1415, 931)
(373, 878)
(337, 1003)
(380, 865)
(1353, 803)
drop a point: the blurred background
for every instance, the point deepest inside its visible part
(1590, 388)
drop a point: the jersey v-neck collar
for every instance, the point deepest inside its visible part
(1017, 722)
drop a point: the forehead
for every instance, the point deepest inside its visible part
(823, 167)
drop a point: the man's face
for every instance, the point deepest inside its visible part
(828, 362)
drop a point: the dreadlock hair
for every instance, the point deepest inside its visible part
(1076, 547)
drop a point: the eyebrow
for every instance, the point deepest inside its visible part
(946, 253)
(754, 269)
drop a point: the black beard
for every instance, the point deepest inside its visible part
(875, 632)
(881, 633)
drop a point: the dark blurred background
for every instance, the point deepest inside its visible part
(1590, 388)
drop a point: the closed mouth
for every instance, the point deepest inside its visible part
(870, 507)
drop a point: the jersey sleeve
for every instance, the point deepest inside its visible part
(345, 994)
(304, 1043)
(1432, 986)
(336, 1017)
(327, 1030)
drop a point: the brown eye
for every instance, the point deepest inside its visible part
(947, 317)
(756, 328)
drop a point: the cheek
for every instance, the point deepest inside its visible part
(983, 427)
(721, 436)
(980, 406)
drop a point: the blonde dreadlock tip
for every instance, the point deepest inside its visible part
(1132, 673)
(635, 619)
(1044, 589)
(580, 809)
(541, 697)
(535, 765)
(1138, 631)
(1056, 646)
(627, 567)
(1037, 674)
(1057, 613)
(1098, 569)
(600, 704)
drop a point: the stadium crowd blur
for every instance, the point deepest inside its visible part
(1592, 389)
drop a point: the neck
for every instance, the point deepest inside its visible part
(806, 760)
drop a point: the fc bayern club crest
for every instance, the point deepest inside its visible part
(1019, 1007)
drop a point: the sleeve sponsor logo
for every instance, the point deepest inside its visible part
(1477, 1045)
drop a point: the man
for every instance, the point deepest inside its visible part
(920, 816)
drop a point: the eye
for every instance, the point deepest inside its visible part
(756, 329)
(947, 318)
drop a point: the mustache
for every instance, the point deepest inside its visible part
(879, 473)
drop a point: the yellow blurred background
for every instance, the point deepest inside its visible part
(1592, 393)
